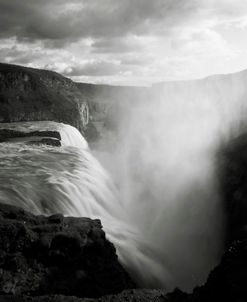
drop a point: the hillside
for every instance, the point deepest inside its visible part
(28, 94)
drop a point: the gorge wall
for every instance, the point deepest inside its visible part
(28, 94)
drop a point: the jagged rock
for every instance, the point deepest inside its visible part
(56, 255)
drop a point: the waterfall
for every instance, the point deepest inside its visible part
(163, 157)
(45, 179)
(67, 179)
(163, 212)
(164, 164)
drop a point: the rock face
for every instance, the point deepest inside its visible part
(227, 282)
(234, 186)
(56, 255)
(28, 94)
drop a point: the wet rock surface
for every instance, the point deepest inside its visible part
(52, 138)
(56, 255)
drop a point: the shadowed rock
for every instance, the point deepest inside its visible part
(52, 138)
(28, 94)
(56, 255)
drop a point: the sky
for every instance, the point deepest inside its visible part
(133, 42)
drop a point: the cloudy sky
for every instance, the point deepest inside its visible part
(125, 41)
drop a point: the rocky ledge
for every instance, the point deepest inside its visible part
(52, 138)
(56, 255)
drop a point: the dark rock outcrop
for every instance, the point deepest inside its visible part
(28, 94)
(227, 282)
(51, 138)
(56, 255)
(233, 175)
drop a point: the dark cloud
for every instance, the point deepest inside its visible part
(103, 38)
(63, 20)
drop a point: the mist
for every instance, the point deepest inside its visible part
(163, 156)
(160, 201)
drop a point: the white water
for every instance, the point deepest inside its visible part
(47, 180)
(166, 219)
(67, 180)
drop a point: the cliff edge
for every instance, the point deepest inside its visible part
(28, 94)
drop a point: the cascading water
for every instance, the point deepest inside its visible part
(164, 165)
(164, 161)
(166, 218)
(68, 180)
(47, 180)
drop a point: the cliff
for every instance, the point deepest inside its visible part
(107, 104)
(56, 255)
(28, 94)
